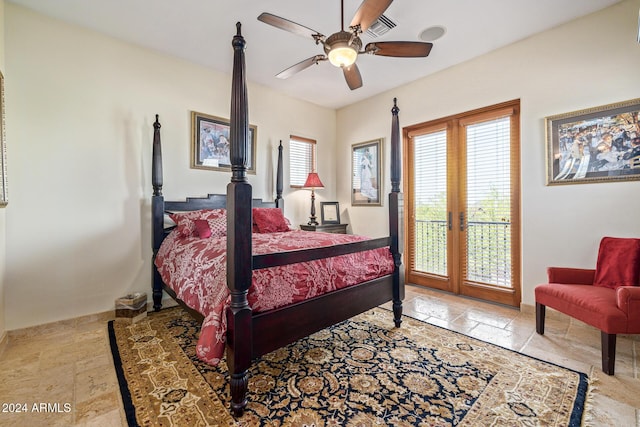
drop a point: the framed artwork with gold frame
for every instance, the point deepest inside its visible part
(210, 143)
(599, 144)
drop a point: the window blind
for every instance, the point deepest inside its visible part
(488, 200)
(301, 160)
(430, 196)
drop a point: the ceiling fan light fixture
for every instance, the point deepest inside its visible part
(342, 48)
(342, 55)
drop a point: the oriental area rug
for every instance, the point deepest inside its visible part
(361, 372)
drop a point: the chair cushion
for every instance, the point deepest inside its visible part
(618, 263)
(594, 305)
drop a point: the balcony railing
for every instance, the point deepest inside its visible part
(488, 250)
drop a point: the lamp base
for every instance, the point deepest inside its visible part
(312, 217)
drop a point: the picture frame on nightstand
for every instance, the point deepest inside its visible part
(329, 213)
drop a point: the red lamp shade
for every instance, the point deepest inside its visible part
(313, 181)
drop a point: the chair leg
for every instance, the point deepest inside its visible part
(540, 312)
(608, 352)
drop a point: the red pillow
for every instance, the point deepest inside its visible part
(213, 227)
(618, 263)
(269, 220)
(202, 228)
(185, 220)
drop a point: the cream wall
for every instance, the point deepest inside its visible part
(586, 63)
(80, 113)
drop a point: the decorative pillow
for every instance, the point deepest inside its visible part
(213, 227)
(185, 220)
(269, 220)
(202, 228)
(618, 263)
(256, 230)
(218, 226)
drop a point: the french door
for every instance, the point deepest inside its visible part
(463, 203)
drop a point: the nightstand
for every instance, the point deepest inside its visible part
(326, 228)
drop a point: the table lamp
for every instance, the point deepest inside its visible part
(313, 182)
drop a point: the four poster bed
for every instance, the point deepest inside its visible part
(244, 314)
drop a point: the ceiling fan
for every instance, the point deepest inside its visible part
(342, 48)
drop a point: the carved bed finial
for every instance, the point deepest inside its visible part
(239, 121)
(279, 180)
(395, 148)
(156, 168)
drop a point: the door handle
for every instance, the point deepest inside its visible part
(461, 221)
(450, 221)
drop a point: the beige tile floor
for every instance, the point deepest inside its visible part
(69, 363)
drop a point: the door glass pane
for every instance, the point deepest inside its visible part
(488, 199)
(430, 198)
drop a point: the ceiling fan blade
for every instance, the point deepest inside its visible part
(368, 12)
(285, 74)
(292, 27)
(352, 76)
(399, 49)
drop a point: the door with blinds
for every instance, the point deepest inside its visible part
(463, 203)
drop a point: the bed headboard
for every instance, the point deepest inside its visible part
(211, 201)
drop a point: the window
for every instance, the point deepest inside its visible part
(302, 159)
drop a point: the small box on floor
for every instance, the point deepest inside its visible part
(131, 308)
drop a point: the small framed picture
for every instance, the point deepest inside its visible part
(329, 213)
(210, 143)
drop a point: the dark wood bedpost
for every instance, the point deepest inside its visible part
(396, 211)
(157, 212)
(239, 250)
(279, 184)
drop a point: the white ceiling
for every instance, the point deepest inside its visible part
(201, 31)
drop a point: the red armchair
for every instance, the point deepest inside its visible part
(607, 298)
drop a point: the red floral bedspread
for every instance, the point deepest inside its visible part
(196, 270)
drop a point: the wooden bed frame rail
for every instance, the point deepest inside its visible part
(250, 335)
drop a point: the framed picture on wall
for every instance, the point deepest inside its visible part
(366, 173)
(598, 144)
(210, 143)
(329, 213)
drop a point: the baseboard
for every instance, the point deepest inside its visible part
(527, 308)
(167, 302)
(4, 342)
(48, 327)
(550, 313)
(59, 325)
(62, 324)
